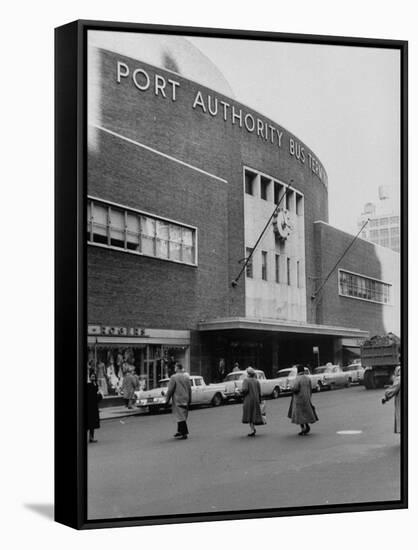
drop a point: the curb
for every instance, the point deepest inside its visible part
(115, 413)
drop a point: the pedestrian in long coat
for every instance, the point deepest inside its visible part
(129, 385)
(395, 391)
(92, 401)
(251, 391)
(301, 410)
(180, 391)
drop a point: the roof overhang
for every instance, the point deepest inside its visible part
(273, 325)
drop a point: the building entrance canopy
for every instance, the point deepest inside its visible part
(271, 345)
(273, 325)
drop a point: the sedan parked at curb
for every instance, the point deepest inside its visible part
(355, 373)
(330, 376)
(270, 387)
(289, 377)
(202, 394)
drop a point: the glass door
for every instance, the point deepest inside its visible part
(153, 366)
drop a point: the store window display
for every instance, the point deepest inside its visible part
(149, 362)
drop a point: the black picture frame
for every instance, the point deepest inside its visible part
(71, 272)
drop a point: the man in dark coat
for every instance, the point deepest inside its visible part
(180, 391)
(92, 401)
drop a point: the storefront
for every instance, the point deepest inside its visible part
(272, 345)
(150, 353)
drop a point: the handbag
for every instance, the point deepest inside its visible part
(263, 412)
(314, 411)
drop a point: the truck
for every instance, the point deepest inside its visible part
(379, 356)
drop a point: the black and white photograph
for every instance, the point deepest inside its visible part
(209, 254)
(244, 230)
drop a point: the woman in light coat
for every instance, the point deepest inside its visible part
(180, 390)
(251, 391)
(395, 391)
(301, 410)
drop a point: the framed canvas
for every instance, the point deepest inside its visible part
(231, 284)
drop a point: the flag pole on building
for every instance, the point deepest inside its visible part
(234, 283)
(315, 294)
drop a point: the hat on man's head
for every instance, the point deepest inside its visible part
(250, 371)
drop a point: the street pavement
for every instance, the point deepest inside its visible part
(138, 469)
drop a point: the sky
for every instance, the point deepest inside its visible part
(342, 102)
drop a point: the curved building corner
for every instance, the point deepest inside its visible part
(182, 179)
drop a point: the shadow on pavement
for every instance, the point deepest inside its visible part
(45, 510)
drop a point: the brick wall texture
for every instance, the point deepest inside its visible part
(362, 258)
(129, 290)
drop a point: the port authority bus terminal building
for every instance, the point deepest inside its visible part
(182, 179)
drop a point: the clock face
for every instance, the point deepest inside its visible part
(281, 224)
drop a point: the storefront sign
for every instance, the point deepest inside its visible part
(213, 106)
(99, 330)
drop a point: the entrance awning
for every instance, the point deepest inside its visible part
(273, 325)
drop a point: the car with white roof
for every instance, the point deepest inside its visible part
(329, 376)
(289, 377)
(355, 373)
(270, 387)
(202, 394)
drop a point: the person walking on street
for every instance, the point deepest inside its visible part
(93, 398)
(129, 385)
(180, 391)
(395, 391)
(251, 411)
(301, 410)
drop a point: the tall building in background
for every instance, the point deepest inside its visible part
(384, 225)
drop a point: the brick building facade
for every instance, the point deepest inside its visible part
(181, 179)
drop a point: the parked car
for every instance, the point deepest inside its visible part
(233, 384)
(202, 394)
(155, 398)
(289, 376)
(286, 378)
(355, 373)
(329, 376)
